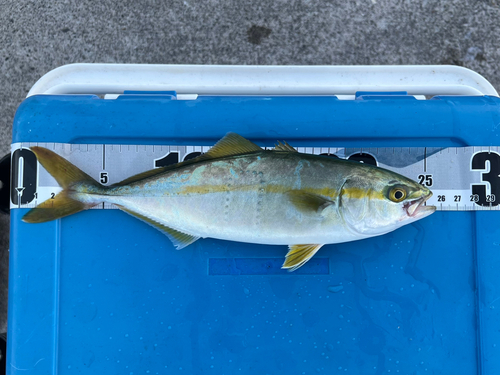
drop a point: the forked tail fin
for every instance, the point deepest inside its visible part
(66, 175)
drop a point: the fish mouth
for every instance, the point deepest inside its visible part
(417, 208)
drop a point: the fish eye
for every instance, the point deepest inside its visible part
(397, 194)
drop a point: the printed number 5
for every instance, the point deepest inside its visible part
(493, 177)
(104, 177)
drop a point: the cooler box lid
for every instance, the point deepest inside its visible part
(102, 292)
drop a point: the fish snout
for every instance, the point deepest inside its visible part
(417, 208)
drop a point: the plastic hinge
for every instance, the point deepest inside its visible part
(367, 95)
(134, 93)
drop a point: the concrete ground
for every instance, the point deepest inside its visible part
(38, 36)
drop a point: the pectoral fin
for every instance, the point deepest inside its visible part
(308, 203)
(179, 239)
(298, 255)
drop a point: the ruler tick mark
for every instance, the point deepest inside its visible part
(425, 159)
(103, 157)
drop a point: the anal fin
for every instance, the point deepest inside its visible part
(179, 239)
(298, 255)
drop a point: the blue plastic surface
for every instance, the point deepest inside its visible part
(101, 292)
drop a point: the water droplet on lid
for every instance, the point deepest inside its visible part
(335, 288)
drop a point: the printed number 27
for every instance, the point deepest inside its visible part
(493, 177)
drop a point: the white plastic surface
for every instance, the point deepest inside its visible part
(103, 79)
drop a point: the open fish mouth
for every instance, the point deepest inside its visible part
(417, 208)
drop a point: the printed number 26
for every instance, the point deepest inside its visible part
(493, 177)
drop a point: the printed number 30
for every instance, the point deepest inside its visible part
(493, 177)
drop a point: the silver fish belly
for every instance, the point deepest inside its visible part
(242, 199)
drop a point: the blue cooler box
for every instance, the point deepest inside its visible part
(100, 292)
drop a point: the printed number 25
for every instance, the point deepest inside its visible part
(425, 179)
(493, 177)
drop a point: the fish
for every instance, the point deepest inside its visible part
(238, 191)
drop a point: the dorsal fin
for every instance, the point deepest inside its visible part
(230, 145)
(284, 147)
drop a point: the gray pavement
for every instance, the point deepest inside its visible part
(38, 36)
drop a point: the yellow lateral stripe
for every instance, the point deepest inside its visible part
(270, 189)
(352, 192)
(357, 193)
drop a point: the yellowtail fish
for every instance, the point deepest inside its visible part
(239, 192)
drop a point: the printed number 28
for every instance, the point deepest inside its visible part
(493, 177)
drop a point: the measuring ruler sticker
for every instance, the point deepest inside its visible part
(461, 178)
